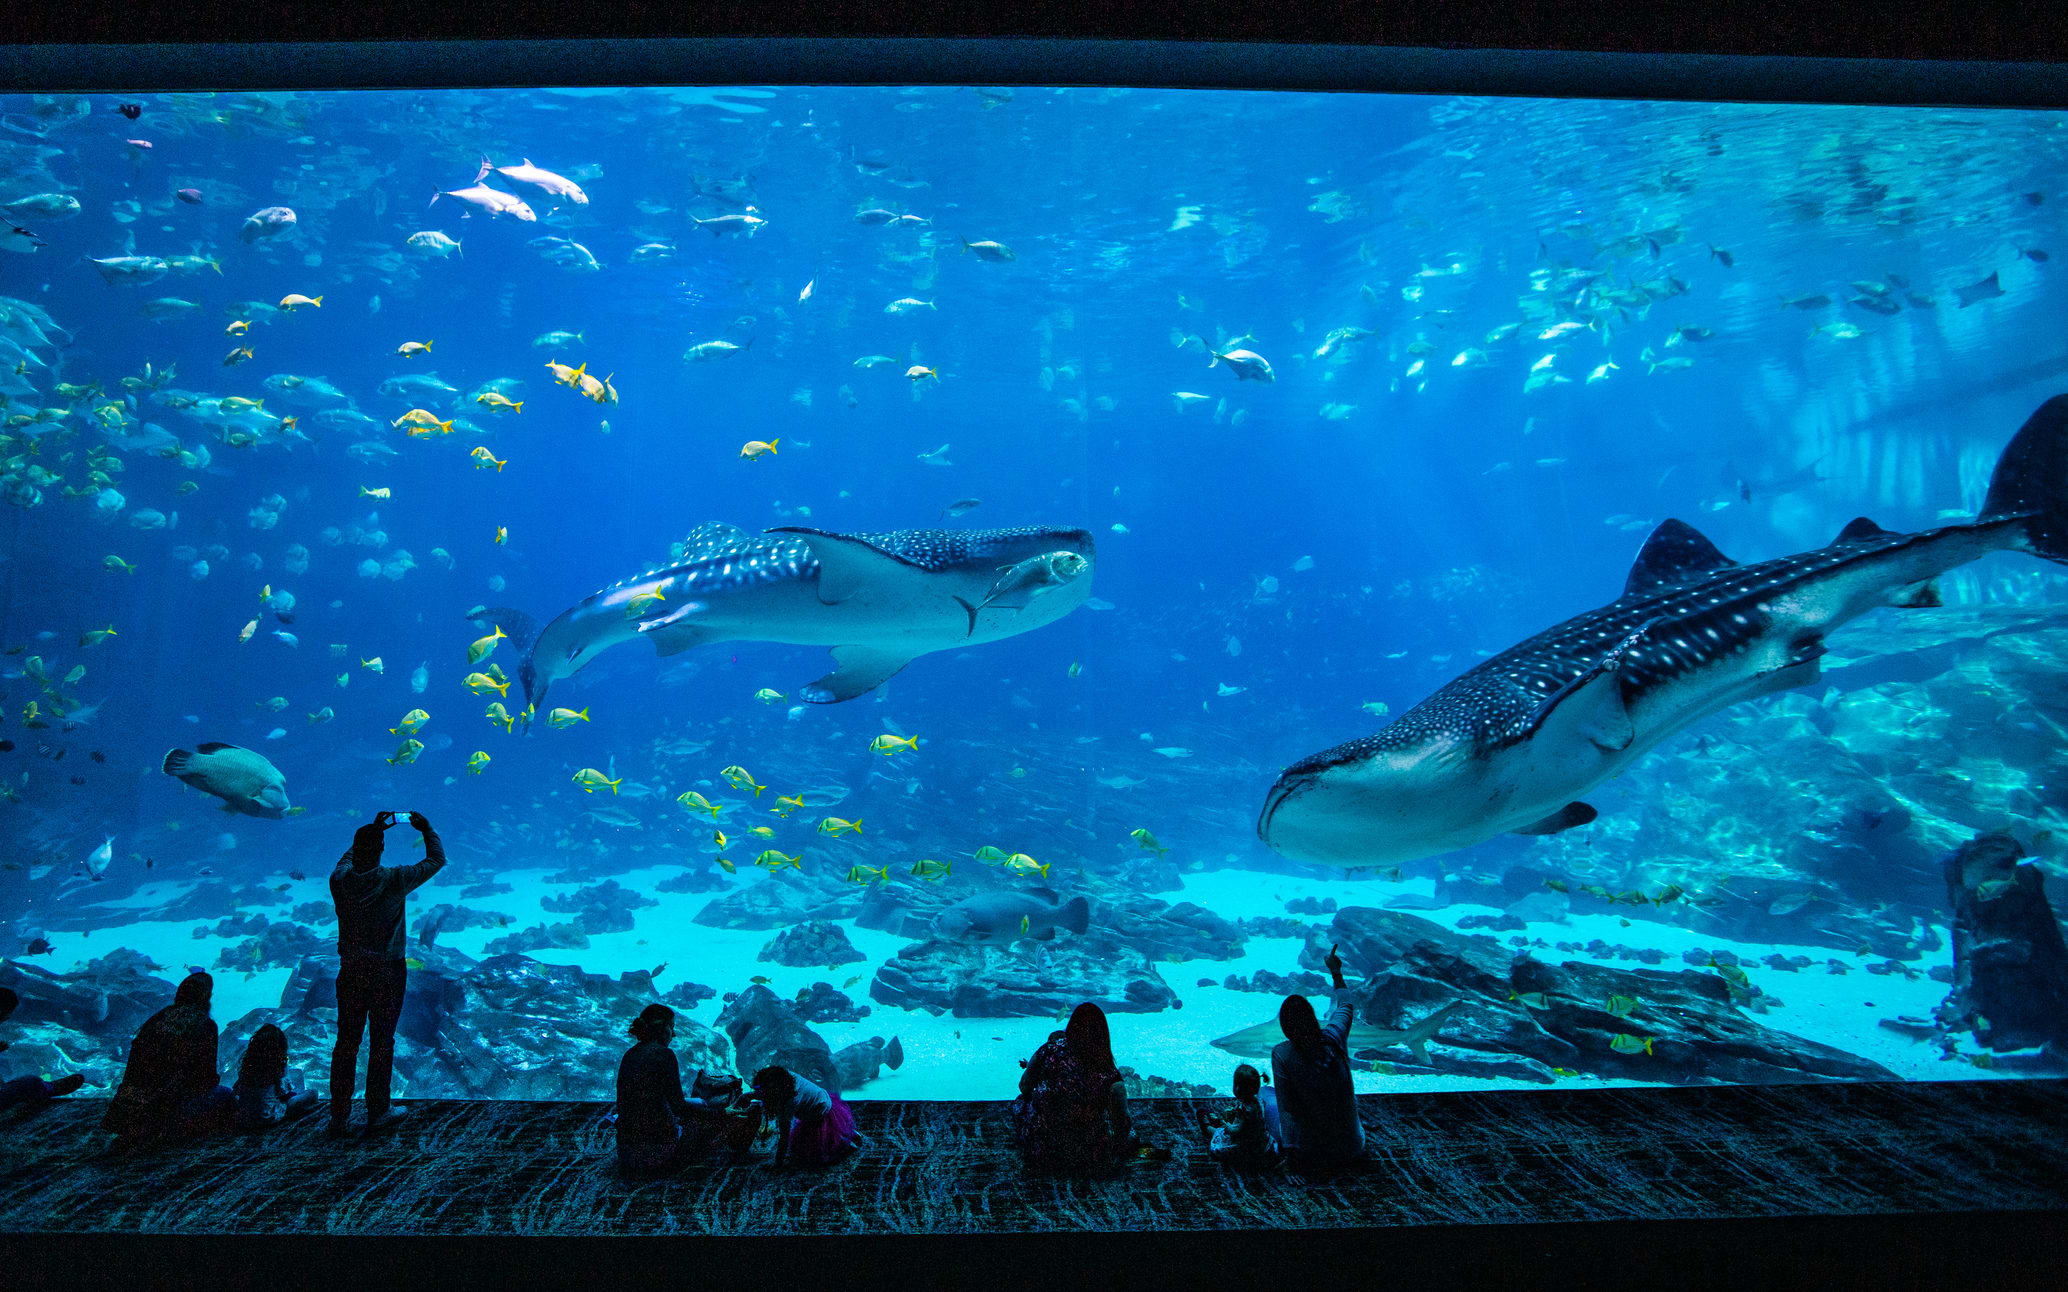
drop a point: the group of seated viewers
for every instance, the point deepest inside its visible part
(1071, 1115)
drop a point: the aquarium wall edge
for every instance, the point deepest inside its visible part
(926, 61)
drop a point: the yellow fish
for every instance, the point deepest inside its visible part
(725, 864)
(237, 356)
(476, 761)
(238, 327)
(502, 535)
(757, 448)
(295, 300)
(768, 696)
(411, 722)
(917, 373)
(482, 684)
(989, 855)
(601, 392)
(566, 376)
(740, 779)
(408, 752)
(562, 719)
(887, 744)
(424, 420)
(499, 402)
(696, 802)
(479, 648)
(497, 713)
(1021, 864)
(483, 458)
(95, 636)
(761, 832)
(117, 563)
(1148, 841)
(382, 492)
(786, 805)
(639, 601)
(833, 825)
(409, 348)
(1624, 1043)
(868, 874)
(591, 780)
(373, 665)
(718, 837)
(928, 868)
(774, 860)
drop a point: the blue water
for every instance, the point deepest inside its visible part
(1271, 557)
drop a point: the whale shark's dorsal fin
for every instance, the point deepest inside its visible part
(711, 536)
(857, 670)
(1859, 529)
(1675, 552)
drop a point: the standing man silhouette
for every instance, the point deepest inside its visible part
(372, 976)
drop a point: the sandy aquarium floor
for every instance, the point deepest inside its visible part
(957, 1058)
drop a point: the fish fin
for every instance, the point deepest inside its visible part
(523, 633)
(1076, 915)
(1675, 552)
(972, 615)
(1565, 818)
(1918, 596)
(519, 628)
(672, 633)
(213, 747)
(486, 166)
(176, 762)
(1590, 707)
(858, 670)
(2031, 480)
(1859, 530)
(846, 563)
(1806, 669)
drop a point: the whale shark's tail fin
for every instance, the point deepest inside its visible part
(2031, 481)
(523, 632)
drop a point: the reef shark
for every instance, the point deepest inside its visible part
(1513, 744)
(879, 600)
(1258, 1042)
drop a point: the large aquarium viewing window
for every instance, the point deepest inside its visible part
(874, 568)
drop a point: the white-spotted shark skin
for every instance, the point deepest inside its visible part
(1512, 745)
(879, 600)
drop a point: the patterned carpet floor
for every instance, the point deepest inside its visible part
(547, 1169)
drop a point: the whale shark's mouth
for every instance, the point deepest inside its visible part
(1288, 788)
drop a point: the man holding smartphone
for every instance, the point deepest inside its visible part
(371, 974)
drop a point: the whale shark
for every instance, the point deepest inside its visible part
(1514, 744)
(879, 600)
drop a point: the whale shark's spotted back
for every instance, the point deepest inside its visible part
(716, 556)
(936, 550)
(1690, 605)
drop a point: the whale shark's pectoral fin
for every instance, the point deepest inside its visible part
(1917, 596)
(847, 564)
(858, 670)
(673, 633)
(1565, 818)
